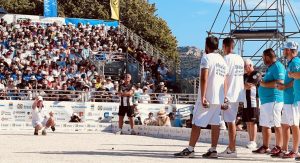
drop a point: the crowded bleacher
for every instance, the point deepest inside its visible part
(55, 61)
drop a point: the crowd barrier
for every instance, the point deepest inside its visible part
(20, 111)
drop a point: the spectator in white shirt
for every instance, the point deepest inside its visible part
(144, 98)
(164, 98)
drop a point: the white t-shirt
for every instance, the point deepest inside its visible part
(144, 98)
(217, 70)
(164, 98)
(162, 71)
(38, 114)
(235, 78)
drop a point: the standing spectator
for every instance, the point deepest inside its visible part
(251, 107)
(126, 105)
(162, 71)
(271, 102)
(290, 112)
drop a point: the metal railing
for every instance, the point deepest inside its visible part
(91, 96)
(149, 48)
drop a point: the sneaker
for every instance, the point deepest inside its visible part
(119, 132)
(261, 150)
(211, 153)
(275, 150)
(228, 153)
(279, 154)
(185, 154)
(251, 145)
(133, 132)
(290, 155)
(297, 158)
(53, 128)
(44, 132)
(36, 133)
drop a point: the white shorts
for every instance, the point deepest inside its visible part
(290, 115)
(42, 123)
(230, 114)
(270, 114)
(204, 116)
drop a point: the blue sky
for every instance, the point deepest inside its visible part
(190, 19)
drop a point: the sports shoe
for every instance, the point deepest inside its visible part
(228, 153)
(251, 145)
(289, 155)
(275, 150)
(133, 132)
(185, 153)
(119, 132)
(279, 154)
(261, 150)
(53, 128)
(44, 132)
(211, 153)
(36, 133)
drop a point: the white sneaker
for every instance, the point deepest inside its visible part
(251, 145)
(228, 153)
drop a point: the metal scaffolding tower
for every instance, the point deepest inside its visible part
(259, 21)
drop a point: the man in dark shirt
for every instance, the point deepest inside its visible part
(126, 104)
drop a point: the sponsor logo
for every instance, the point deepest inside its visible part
(20, 106)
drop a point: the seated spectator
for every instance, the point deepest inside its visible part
(150, 121)
(144, 98)
(160, 88)
(175, 120)
(163, 119)
(75, 118)
(164, 98)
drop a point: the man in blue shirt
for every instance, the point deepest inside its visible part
(271, 102)
(290, 115)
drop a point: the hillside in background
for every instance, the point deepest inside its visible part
(189, 61)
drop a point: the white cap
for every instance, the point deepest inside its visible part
(40, 98)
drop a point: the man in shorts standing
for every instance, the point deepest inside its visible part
(234, 93)
(39, 119)
(213, 70)
(126, 104)
(271, 102)
(251, 104)
(290, 112)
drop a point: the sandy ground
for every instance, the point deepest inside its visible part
(22, 146)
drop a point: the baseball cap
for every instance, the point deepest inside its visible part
(291, 45)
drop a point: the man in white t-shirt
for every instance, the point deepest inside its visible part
(40, 120)
(234, 93)
(164, 98)
(213, 70)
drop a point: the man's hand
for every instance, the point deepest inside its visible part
(280, 86)
(291, 75)
(248, 86)
(205, 103)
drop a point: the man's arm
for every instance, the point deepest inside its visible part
(127, 94)
(295, 75)
(272, 84)
(225, 86)
(203, 85)
(285, 86)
